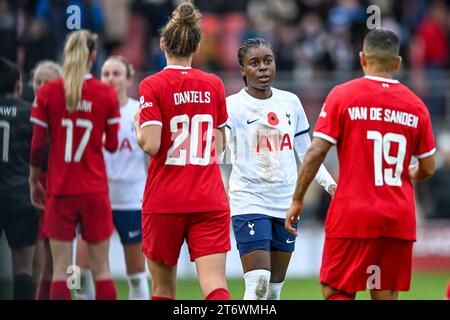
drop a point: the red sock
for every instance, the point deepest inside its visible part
(218, 294)
(340, 297)
(59, 291)
(447, 294)
(161, 298)
(105, 290)
(44, 290)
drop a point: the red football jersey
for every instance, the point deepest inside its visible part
(76, 164)
(184, 176)
(377, 125)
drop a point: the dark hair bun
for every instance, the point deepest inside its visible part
(186, 13)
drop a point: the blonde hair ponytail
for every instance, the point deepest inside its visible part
(77, 52)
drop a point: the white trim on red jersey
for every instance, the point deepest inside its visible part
(426, 154)
(381, 79)
(324, 137)
(113, 121)
(178, 67)
(39, 122)
(148, 123)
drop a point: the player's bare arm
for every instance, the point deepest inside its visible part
(221, 141)
(313, 159)
(149, 137)
(423, 169)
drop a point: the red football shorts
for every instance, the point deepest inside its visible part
(205, 234)
(352, 265)
(92, 212)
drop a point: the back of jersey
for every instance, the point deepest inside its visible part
(76, 163)
(378, 125)
(15, 140)
(184, 176)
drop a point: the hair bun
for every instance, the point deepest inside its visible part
(186, 13)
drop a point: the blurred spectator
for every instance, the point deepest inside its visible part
(117, 19)
(437, 204)
(8, 29)
(429, 55)
(48, 28)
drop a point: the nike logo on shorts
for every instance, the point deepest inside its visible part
(290, 241)
(134, 234)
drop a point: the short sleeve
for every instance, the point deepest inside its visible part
(222, 115)
(149, 103)
(426, 145)
(302, 124)
(328, 124)
(114, 113)
(39, 109)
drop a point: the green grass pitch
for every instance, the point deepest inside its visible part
(425, 286)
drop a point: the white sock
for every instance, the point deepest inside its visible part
(138, 286)
(256, 284)
(87, 290)
(274, 291)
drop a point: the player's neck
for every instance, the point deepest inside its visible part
(259, 94)
(179, 61)
(374, 72)
(123, 99)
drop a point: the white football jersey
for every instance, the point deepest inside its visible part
(126, 168)
(262, 135)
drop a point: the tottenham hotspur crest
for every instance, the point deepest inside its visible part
(251, 225)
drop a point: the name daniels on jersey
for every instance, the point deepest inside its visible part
(386, 115)
(8, 111)
(191, 97)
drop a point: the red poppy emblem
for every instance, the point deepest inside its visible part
(272, 119)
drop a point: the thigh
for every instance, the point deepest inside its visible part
(252, 232)
(208, 233)
(128, 224)
(162, 237)
(395, 264)
(96, 218)
(346, 262)
(62, 218)
(21, 227)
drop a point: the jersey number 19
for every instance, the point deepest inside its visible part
(382, 149)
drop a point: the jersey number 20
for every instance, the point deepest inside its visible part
(195, 125)
(382, 148)
(81, 123)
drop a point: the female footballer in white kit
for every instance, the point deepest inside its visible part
(126, 171)
(266, 127)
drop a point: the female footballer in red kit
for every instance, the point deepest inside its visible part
(76, 111)
(181, 125)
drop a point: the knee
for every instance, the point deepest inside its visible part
(163, 290)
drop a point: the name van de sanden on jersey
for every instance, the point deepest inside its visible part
(192, 97)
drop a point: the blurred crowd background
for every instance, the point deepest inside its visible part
(316, 42)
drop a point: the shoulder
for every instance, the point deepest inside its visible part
(132, 105)
(97, 84)
(153, 80)
(50, 86)
(211, 77)
(286, 95)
